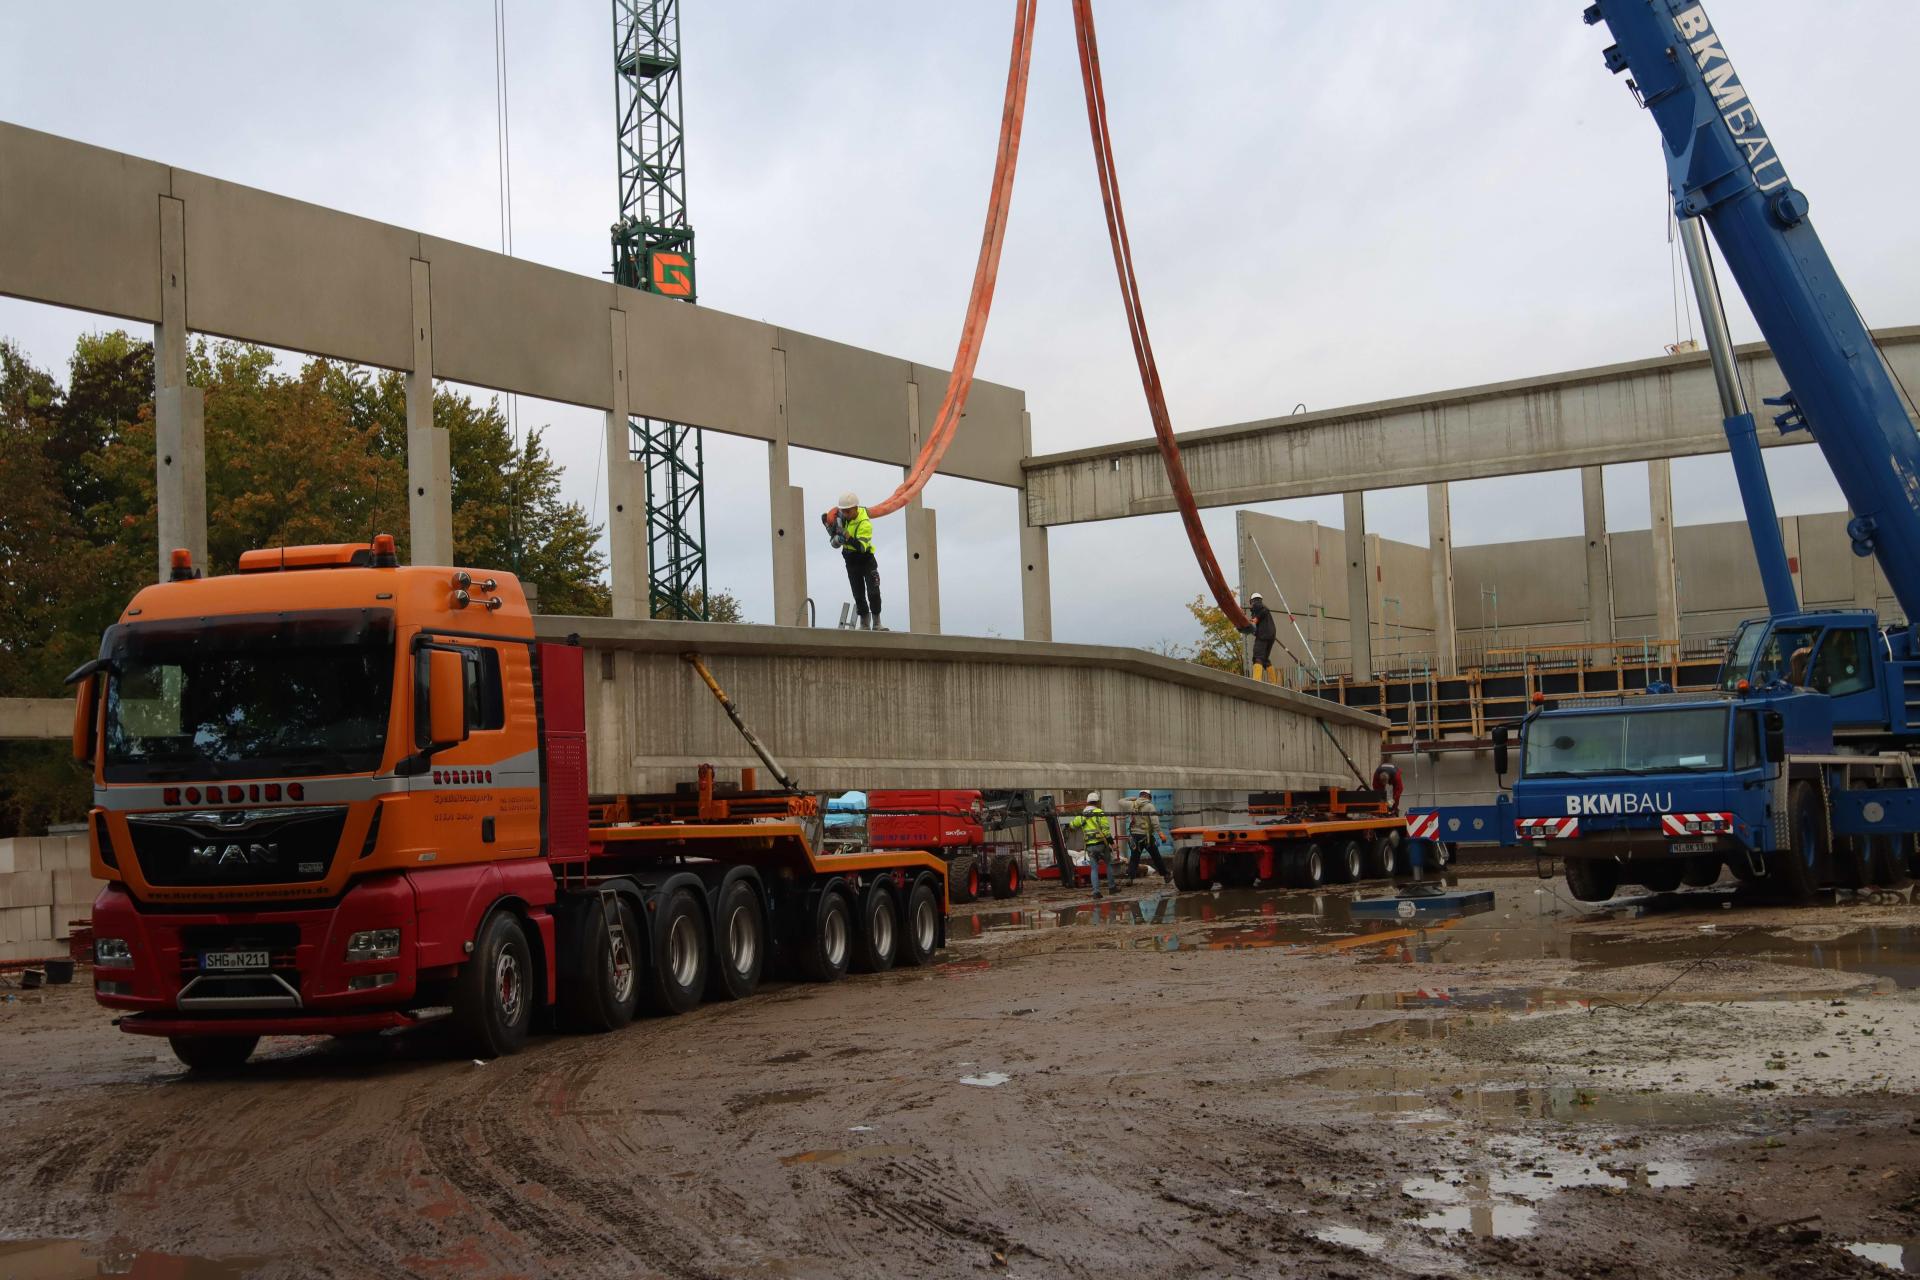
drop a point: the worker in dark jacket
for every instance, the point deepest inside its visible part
(851, 530)
(1263, 632)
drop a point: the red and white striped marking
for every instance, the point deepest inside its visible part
(1695, 824)
(1546, 828)
(1423, 826)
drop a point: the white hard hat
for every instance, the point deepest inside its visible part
(1256, 596)
(848, 501)
(1093, 797)
(1145, 791)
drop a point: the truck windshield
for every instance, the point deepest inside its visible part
(1580, 745)
(258, 696)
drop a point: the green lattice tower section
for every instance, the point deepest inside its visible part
(653, 250)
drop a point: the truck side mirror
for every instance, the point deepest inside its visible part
(85, 704)
(446, 698)
(1776, 736)
(1501, 756)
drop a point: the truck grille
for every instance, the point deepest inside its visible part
(237, 846)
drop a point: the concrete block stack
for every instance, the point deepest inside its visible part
(45, 885)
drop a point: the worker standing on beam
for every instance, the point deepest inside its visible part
(1264, 633)
(851, 530)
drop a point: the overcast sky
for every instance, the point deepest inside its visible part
(1331, 204)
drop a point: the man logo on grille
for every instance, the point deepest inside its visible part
(234, 855)
(672, 275)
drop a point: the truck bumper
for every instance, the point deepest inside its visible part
(308, 985)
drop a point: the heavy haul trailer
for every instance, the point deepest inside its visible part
(986, 837)
(1302, 839)
(336, 796)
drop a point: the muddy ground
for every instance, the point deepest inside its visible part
(1238, 1084)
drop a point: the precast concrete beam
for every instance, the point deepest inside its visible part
(1593, 507)
(36, 718)
(627, 550)
(1666, 591)
(1359, 587)
(179, 410)
(1446, 657)
(429, 455)
(1036, 571)
(787, 523)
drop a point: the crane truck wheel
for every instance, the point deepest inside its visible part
(1661, 876)
(920, 925)
(1592, 879)
(877, 941)
(494, 994)
(677, 978)
(1800, 867)
(1886, 864)
(599, 990)
(739, 942)
(213, 1055)
(1006, 878)
(1702, 871)
(1852, 856)
(826, 944)
(963, 878)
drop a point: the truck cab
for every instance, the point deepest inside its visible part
(1862, 668)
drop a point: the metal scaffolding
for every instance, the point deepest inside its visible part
(653, 250)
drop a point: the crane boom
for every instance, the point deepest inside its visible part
(1724, 168)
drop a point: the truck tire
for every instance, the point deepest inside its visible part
(1592, 879)
(593, 997)
(1304, 866)
(677, 978)
(963, 878)
(1852, 856)
(1661, 875)
(1388, 856)
(826, 944)
(1349, 862)
(213, 1055)
(1183, 864)
(877, 939)
(1804, 864)
(1702, 871)
(1886, 863)
(739, 942)
(920, 925)
(493, 996)
(1006, 878)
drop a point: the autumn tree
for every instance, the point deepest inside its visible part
(1219, 645)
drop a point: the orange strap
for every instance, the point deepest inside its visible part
(1136, 316)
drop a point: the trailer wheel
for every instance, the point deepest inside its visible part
(826, 947)
(1661, 875)
(1006, 878)
(1592, 879)
(1800, 867)
(213, 1055)
(597, 993)
(493, 996)
(1183, 869)
(877, 940)
(1702, 871)
(739, 943)
(1304, 866)
(920, 925)
(963, 878)
(1349, 863)
(677, 978)
(1388, 856)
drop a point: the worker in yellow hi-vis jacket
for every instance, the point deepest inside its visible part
(851, 530)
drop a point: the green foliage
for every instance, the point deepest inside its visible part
(1219, 644)
(722, 606)
(317, 455)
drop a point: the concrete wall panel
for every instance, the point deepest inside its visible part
(845, 400)
(990, 442)
(695, 365)
(512, 325)
(105, 208)
(263, 268)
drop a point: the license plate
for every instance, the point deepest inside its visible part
(1692, 846)
(217, 960)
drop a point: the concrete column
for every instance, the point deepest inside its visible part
(1317, 597)
(1666, 593)
(788, 521)
(179, 410)
(429, 458)
(1359, 586)
(1790, 541)
(1380, 616)
(1036, 576)
(626, 491)
(1593, 503)
(1866, 581)
(923, 555)
(1446, 656)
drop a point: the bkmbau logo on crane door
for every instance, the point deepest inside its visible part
(671, 274)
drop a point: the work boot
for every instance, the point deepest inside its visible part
(876, 623)
(865, 625)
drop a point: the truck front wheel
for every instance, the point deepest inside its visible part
(1592, 879)
(493, 996)
(601, 984)
(1803, 865)
(213, 1055)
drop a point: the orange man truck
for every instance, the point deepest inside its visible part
(336, 796)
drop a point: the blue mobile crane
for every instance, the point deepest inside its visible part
(1797, 770)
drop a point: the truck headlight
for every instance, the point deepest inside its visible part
(112, 953)
(373, 944)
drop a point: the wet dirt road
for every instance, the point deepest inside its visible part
(1239, 1083)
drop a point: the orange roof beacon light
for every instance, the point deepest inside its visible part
(1539, 698)
(1745, 685)
(182, 560)
(384, 555)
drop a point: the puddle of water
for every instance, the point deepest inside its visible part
(1417, 1095)
(987, 1079)
(1353, 1238)
(1502, 1221)
(79, 1259)
(1894, 1255)
(845, 1155)
(1502, 1200)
